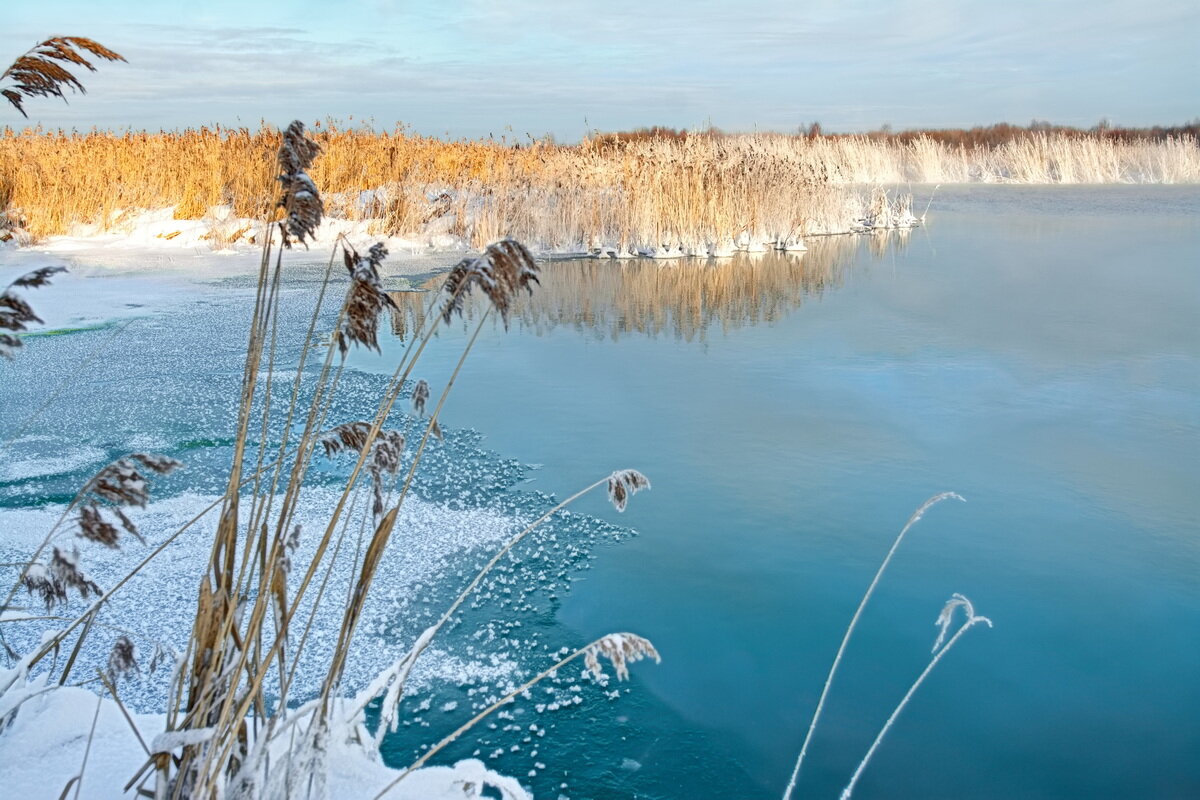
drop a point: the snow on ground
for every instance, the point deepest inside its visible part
(45, 746)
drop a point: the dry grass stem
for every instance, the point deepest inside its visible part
(621, 648)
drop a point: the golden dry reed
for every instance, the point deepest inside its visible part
(659, 192)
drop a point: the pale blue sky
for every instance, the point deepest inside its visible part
(511, 67)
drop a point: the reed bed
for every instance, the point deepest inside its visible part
(687, 193)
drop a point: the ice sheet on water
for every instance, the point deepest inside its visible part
(462, 509)
(26, 460)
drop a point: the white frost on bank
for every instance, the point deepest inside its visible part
(44, 748)
(157, 236)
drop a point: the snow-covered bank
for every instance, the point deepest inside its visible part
(137, 239)
(45, 746)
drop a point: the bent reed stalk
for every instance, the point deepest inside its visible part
(943, 622)
(837, 659)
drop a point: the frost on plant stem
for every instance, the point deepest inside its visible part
(943, 622)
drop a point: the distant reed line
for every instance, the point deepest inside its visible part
(646, 192)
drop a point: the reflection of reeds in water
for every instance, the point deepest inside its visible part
(682, 298)
(890, 241)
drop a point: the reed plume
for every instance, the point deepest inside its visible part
(122, 659)
(501, 272)
(420, 396)
(365, 300)
(51, 583)
(299, 199)
(350, 436)
(624, 483)
(120, 483)
(621, 650)
(40, 71)
(15, 312)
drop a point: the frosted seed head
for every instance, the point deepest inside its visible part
(624, 483)
(121, 659)
(299, 197)
(95, 528)
(930, 503)
(501, 272)
(420, 396)
(621, 649)
(119, 484)
(51, 583)
(37, 278)
(946, 617)
(347, 436)
(365, 299)
(385, 456)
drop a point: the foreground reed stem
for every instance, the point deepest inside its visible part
(837, 659)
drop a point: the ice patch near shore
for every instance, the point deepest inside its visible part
(158, 605)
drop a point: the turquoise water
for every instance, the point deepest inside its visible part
(1033, 349)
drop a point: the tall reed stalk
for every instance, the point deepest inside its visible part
(943, 622)
(837, 659)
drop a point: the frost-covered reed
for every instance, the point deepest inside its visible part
(940, 647)
(841, 651)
